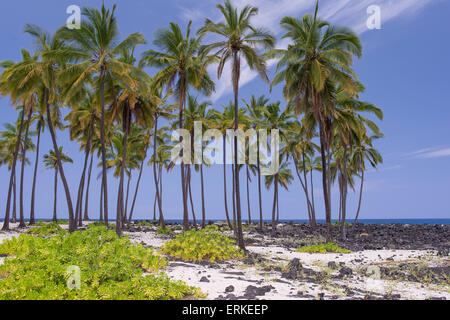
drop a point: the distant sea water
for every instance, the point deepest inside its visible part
(364, 221)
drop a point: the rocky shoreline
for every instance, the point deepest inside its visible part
(387, 262)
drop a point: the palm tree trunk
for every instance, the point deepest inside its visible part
(36, 163)
(136, 191)
(22, 172)
(14, 213)
(86, 213)
(103, 147)
(278, 209)
(125, 213)
(225, 181)
(325, 181)
(87, 150)
(101, 202)
(313, 213)
(248, 198)
(182, 95)
(190, 196)
(259, 186)
(13, 173)
(236, 73)
(119, 213)
(155, 175)
(275, 194)
(55, 217)
(163, 223)
(72, 222)
(360, 198)
(344, 196)
(203, 196)
(234, 201)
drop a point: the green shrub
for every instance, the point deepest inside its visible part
(203, 245)
(164, 231)
(144, 223)
(46, 230)
(323, 248)
(111, 268)
(338, 224)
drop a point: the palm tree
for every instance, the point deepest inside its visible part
(281, 121)
(82, 120)
(240, 39)
(320, 54)
(37, 76)
(283, 178)
(182, 65)
(95, 44)
(51, 162)
(362, 152)
(9, 139)
(255, 109)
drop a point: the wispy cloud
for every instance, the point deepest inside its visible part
(430, 153)
(350, 13)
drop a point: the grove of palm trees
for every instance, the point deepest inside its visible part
(121, 97)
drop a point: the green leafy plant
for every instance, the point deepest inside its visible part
(164, 231)
(338, 224)
(202, 245)
(144, 223)
(110, 268)
(46, 230)
(323, 248)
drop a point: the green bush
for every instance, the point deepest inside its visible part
(164, 231)
(111, 268)
(203, 245)
(46, 230)
(338, 224)
(323, 248)
(144, 223)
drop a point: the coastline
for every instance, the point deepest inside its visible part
(409, 267)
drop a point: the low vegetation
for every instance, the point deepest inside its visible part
(323, 248)
(110, 268)
(46, 230)
(202, 245)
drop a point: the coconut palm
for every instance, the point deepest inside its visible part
(282, 178)
(319, 54)
(255, 109)
(239, 38)
(181, 65)
(8, 141)
(95, 45)
(51, 163)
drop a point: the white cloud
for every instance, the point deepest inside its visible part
(350, 13)
(435, 154)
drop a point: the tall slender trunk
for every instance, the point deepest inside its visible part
(86, 205)
(236, 72)
(278, 208)
(225, 181)
(275, 195)
(360, 197)
(190, 195)
(154, 208)
(36, 163)
(344, 196)
(136, 191)
(248, 198)
(13, 173)
(55, 217)
(234, 202)
(259, 186)
(155, 175)
(72, 222)
(87, 150)
(125, 213)
(182, 94)
(103, 147)
(203, 196)
(163, 225)
(22, 171)
(305, 190)
(14, 212)
(313, 213)
(119, 212)
(101, 203)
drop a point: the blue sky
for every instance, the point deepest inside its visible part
(404, 67)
